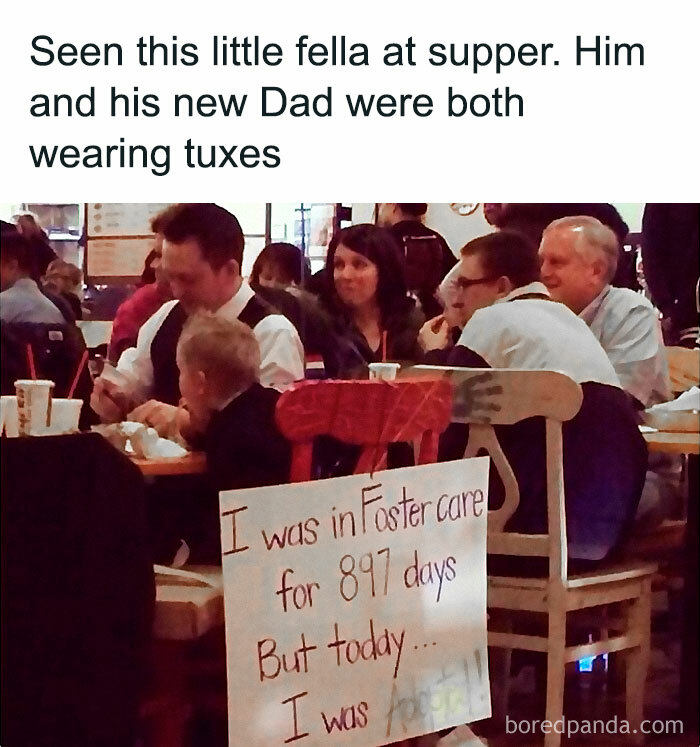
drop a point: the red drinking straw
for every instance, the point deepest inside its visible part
(81, 366)
(383, 347)
(30, 360)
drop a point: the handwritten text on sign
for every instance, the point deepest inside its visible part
(356, 607)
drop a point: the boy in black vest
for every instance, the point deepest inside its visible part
(219, 362)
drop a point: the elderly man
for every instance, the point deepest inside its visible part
(578, 261)
(202, 257)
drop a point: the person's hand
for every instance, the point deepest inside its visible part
(187, 426)
(434, 334)
(108, 401)
(158, 415)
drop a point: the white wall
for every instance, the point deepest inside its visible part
(631, 213)
(458, 230)
(7, 210)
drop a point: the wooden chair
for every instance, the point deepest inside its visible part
(683, 368)
(483, 398)
(371, 414)
(189, 612)
(189, 607)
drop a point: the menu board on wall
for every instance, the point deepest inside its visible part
(119, 237)
(121, 219)
(117, 257)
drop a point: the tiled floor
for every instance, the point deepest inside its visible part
(593, 696)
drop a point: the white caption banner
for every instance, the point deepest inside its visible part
(356, 607)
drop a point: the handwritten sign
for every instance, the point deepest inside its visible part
(356, 607)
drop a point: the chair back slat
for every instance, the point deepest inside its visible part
(483, 437)
(302, 457)
(505, 396)
(371, 414)
(514, 543)
(556, 513)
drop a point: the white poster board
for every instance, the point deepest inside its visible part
(356, 607)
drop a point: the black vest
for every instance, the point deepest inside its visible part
(166, 374)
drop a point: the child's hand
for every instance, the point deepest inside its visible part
(157, 415)
(187, 425)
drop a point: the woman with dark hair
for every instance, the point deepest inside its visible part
(280, 265)
(278, 276)
(373, 319)
(366, 295)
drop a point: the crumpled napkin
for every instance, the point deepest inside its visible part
(689, 400)
(140, 441)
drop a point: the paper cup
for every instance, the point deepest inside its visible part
(8, 410)
(384, 371)
(33, 406)
(9, 416)
(65, 416)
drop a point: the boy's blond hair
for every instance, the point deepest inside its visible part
(226, 351)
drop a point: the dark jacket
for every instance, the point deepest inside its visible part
(77, 593)
(605, 460)
(352, 353)
(306, 314)
(74, 302)
(64, 305)
(671, 262)
(428, 260)
(244, 450)
(243, 445)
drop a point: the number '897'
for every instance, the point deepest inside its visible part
(369, 571)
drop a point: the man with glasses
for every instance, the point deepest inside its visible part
(508, 320)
